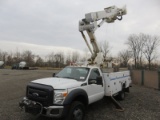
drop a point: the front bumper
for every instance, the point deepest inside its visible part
(37, 108)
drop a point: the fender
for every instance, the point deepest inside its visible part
(75, 94)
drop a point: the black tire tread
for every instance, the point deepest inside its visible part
(73, 105)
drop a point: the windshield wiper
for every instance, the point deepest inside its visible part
(70, 78)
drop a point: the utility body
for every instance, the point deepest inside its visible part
(68, 93)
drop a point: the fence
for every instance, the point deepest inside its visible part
(146, 78)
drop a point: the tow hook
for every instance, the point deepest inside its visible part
(23, 103)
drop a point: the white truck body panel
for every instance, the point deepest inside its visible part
(95, 92)
(114, 82)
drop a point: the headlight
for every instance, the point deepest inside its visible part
(59, 96)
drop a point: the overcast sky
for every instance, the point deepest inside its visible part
(44, 26)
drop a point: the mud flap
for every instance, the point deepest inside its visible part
(117, 105)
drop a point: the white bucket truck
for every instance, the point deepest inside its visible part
(68, 93)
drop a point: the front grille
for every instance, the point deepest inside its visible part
(40, 93)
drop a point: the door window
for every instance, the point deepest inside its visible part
(94, 74)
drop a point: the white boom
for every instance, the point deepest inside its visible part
(89, 24)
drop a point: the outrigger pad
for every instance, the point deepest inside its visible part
(117, 105)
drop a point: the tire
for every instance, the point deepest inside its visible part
(121, 95)
(76, 112)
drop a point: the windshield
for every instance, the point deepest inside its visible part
(78, 73)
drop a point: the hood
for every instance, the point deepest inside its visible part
(59, 83)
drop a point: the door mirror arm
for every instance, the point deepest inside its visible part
(54, 74)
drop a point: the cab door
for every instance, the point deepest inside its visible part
(95, 91)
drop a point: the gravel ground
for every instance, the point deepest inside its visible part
(140, 104)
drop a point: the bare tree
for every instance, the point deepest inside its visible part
(28, 56)
(136, 45)
(132, 43)
(141, 45)
(1, 58)
(86, 55)
(151, 44)
(50, 59)
(10, 59)
(125, 55)
(75, 56)
(105, 48)
(59, 59)
(39, 62)
(17, 57)
(68, 58)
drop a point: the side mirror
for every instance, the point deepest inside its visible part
(99, 80)
(92, 82)
(53, 75)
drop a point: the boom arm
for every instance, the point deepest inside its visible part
(89, 24)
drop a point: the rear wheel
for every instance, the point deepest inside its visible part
(121, 95)
(77, 111)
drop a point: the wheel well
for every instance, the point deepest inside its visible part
(82, 99)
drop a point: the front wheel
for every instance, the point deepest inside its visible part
(76, 112)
